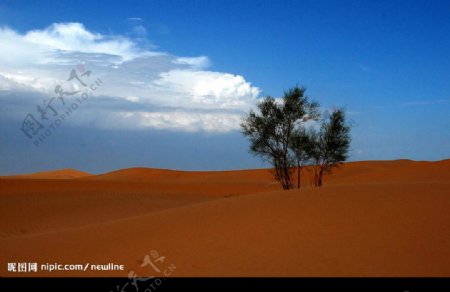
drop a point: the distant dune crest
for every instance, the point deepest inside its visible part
(66, 173)
(392, 169)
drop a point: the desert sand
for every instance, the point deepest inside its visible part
(371, 218)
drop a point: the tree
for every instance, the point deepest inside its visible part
(329, 146)
(270, 131)
(300, 146)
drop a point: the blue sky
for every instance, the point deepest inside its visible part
(177, 75)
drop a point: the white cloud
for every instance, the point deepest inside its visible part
(195, 62)
(133, 98)
(169, 92)
(49, 44)
(181, 120)
(208, 90)
(16, 52)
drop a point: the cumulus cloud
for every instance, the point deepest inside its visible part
(205, 89)
(167, 91)
(49, 44)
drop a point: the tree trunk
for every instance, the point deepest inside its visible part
(287, 178)
(320, 176)
(284, 178)
(316, 176)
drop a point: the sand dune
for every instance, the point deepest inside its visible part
(377, 218)
(256, 176)
(390, 172)
(53, 174)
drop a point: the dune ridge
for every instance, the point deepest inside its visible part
(372, 218)
(66, 173)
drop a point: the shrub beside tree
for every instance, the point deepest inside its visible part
(329, 146)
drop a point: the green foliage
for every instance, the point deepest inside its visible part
(277, 133)
(329, 147)
(270, 131)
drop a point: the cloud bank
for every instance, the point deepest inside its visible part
(143, 88)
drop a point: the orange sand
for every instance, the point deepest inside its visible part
(374, 218)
